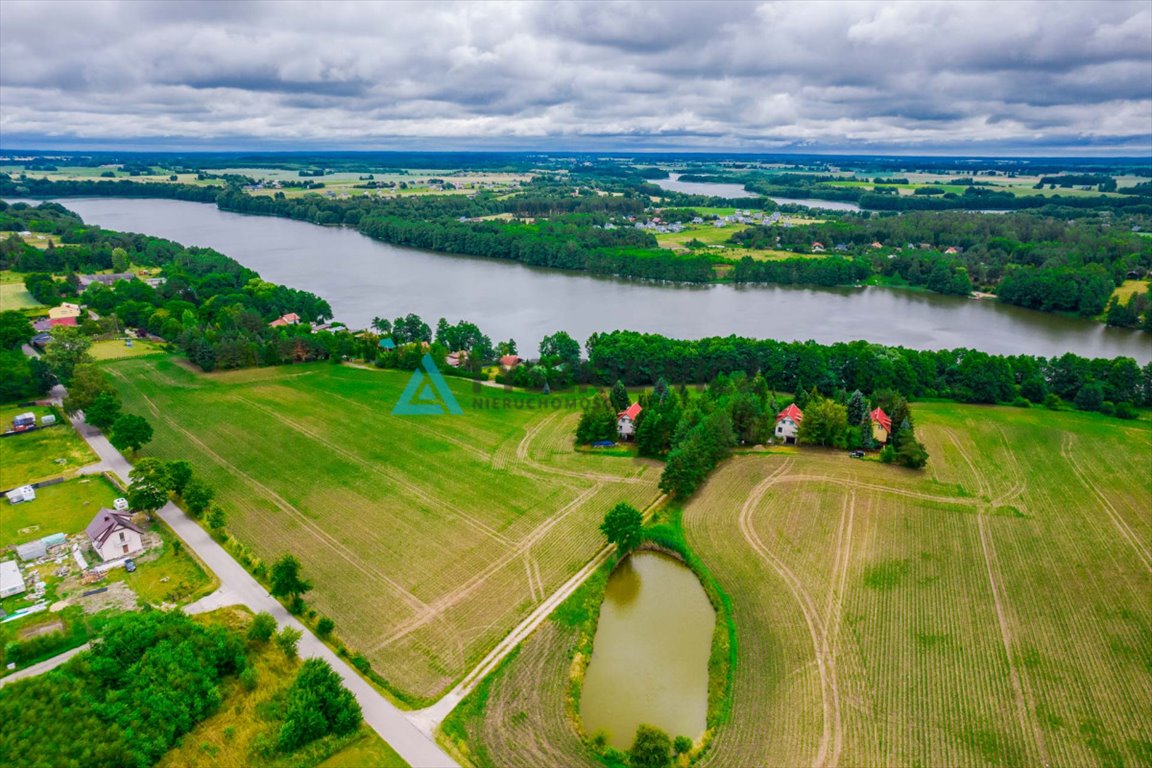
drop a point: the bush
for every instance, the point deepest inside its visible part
(317, 705)
(248, 679)
(1021, 402)
(325, 626)
(887, 454)
(1053, 402)
(1126, 411)
(263, 627)
(651, 749)
(681, 745)
(288, 639)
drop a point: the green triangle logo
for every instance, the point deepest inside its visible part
(427, 394)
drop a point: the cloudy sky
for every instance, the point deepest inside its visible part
(915, 77)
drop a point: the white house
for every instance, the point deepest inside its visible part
(11, 582)
(788, 423)
(114, 535)
(626, 421)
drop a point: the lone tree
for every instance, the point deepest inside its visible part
(130, 432)
(620, 399)
(623, 526)
(651, 749)
(286, 578)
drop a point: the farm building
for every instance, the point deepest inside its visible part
(21, 494)
(33, 550)
(788, 423)
(11, 581)
(881, 425)
(626, 421)
(53, 322)
(114, 535)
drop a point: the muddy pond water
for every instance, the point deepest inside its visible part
(650, 659)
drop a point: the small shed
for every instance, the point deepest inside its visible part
(120, 504)
(33, 550)
(23, 493)
(47, 419)
(11, 581)
(54, 540)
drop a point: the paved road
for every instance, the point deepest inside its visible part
(238, 587)
(44, 666)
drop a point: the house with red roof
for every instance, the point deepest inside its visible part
(626, 421)
(788, 423)
(289, 319)
(881, 425)
(508, 362)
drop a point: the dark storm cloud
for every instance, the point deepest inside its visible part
(869, 75)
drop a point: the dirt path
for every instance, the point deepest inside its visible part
(452, 598)
(524, 456)
(429, 719)
(1029, 728)
(856, 484)
(831, 740)
(1067, 450)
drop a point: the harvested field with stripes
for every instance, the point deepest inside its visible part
(427, 537)
(991, 610)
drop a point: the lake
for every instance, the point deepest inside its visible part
(673, 184)
(650, 657)
(362, 278)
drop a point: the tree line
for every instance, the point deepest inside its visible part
(964, 375)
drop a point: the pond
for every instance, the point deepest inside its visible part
(650, 659)
(362, 278)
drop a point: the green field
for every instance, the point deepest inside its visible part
(41, 454)
(67, 507)
(116, 349)
(1128, 288)
(991, 610)
(15, 296)
(428, 537)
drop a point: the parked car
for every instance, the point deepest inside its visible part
(130, 565)
(857, 454)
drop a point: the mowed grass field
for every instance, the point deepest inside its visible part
(992, 610)
(40, 454)
(427, 537)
